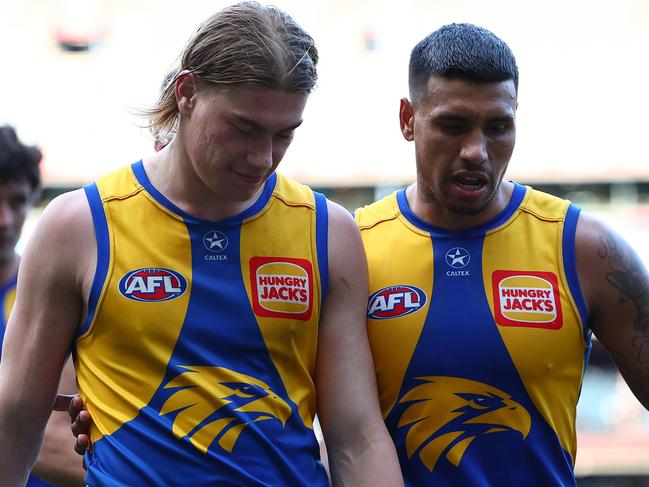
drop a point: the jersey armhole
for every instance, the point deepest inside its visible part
(570, 266)
(322, 244)
(103, 253)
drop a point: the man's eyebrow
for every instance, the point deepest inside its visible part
(257, 126)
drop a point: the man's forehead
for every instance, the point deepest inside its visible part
(266, 107)
(446, 95)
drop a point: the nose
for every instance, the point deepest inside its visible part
(260, 154)
(474, 147)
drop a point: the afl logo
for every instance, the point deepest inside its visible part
(152, 284)
(395, 301)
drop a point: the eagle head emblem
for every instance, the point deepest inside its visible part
(446, 414)
(216, 403)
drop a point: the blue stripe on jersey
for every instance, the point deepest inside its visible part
(220, 330)
(570, 263)
(269, 187)
(103, 252)
(322, 244)
(570, 267)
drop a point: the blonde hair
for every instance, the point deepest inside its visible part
(244, 43)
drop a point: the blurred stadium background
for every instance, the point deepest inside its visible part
(74, 73)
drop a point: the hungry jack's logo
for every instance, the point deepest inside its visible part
(282, 287)
(527, 299)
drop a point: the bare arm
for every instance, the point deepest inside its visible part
(41, 329)
(616, 288)
(57, 462)
(361, 452)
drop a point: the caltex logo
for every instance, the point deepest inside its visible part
(215, 241)
(458, 257)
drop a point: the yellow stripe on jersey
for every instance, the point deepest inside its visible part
(115, 376)
(298, 315)
(393, 346)
(557, 332)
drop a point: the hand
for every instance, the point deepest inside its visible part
(79, 417)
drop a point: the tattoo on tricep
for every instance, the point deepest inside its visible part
(627, 275)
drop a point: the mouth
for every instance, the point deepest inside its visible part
(255, 179)
(470, 184)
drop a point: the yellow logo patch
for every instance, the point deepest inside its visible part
(447, 414)
(230, 399)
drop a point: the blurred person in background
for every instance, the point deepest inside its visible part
(208, 296)
(20, 186)
(480, 322)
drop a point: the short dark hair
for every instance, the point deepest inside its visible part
(462, 51)
(17, 160)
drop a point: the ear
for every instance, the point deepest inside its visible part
(407, 119)
(186, 90)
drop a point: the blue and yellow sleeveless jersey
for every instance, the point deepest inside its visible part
(7, 299)
(479, 341)
(197, 357)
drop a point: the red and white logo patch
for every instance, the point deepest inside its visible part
(282, 287)
(527, 299)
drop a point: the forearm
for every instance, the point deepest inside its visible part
(57, 461)
(19, 446)
(366, 460)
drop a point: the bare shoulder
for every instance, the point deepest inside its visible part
(64, 237)
(70, 209)
(340, 218)
(345, 245)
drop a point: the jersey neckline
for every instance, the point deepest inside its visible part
(506, 213)
(256, 207)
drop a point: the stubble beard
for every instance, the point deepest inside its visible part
(430, 196)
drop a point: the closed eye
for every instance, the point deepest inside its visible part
(244, 129)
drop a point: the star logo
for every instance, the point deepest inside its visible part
(215, 241)
(458, 257)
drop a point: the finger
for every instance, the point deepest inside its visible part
(81, 445)
(75, 407)
(81, 424)
(62, 402)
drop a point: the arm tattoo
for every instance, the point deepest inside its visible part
(628, 276)
(626, 273)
